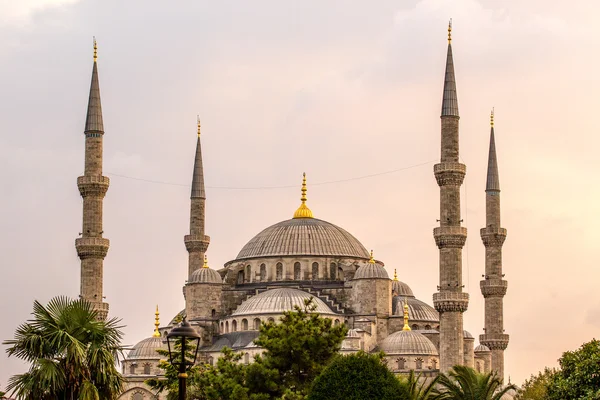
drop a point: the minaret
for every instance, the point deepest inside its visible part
(197, 242)
(450, 236)
(91, 246)
(493, 287)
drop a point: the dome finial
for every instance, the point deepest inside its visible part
(156, 323)
(406, 327)
(450, 31)
(395, 275)
(303, 211)
(198, 119)
(95, 50)
(371, 260)
(205, 262)
(492, 118)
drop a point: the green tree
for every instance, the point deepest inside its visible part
(416, 387)
(464, 383)
(296, 351)
(579, 374)
(536, 387)
(72, 353)
(357, 377)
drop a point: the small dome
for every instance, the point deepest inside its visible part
(417, 309)
(467, 335)
(352, 333)
(401, 289)
(408, 343)
(276, 301)
(205, 275)
(146, 349)
(482, 349)
(371, 271)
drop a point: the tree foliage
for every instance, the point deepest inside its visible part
(579, 374)
(72, 353)
(415, 387)
(536, 387)
(464, 383)
(357, 377)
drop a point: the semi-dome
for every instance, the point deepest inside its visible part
(401, 289)
(467, 335)
(408, 343)
(417, 309)
(276, 301)
(146, 349)
(303, 237)
(482, 348)
(205, 275)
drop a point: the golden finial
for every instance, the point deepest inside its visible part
(205, 262)
(406, 327)
(372, 260)
(303, 211)
(95, 50)
(395, 275)
(492, 118)
(198, 119)
(156, 323)
(450, 31)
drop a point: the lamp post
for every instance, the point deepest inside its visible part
(184, 332)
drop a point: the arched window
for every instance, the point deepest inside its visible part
(227, 327)
(336, 322)
(263, 272)
(132, 368)
(297, 271)
(433, 363)
(213, 312)
(340, 274)
(256, 324)
(234, 326)
(222, 328)
(271, 320)
(123, 369)
(315, 271)
(415, 327)
(246, 358)
(332, 270)
(147, 369)
(240, 279)
(419, 363)
(401, 363)
(279, 271)
(427, 327)
(248, 273)
(244, 324)
(211, 360)
(478, 366)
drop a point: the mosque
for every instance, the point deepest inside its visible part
(305, 257)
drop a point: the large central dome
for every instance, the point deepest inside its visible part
(303, 237)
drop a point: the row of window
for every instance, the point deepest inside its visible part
(133, 367)
(402, 363)
(245, 274)
(243, 326)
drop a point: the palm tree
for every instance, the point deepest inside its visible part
(72, 353)
(464, 383)
(418, 388)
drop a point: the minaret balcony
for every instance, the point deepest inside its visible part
(92, 247)
(493, 287)
(495, 341)
(450, 236)
(196, 243)
(449, 173)
(493, 236)
(451, 301)
(93, 185)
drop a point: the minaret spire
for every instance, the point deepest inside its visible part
(197, 242)
(493, 286)
(156, 323)
(92, 247)
(450, 300)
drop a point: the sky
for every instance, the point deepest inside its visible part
(348, 92)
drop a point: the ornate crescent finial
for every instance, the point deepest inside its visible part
(450, 31)
(95, 50)
(492, 118)
(303, 211)
(406, 327)
(198, 120)
(395, 275)
(156, 323)
(372, 260)
(205, 262)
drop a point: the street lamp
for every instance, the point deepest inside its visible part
(184, 331)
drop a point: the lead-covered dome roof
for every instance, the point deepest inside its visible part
(371, 271)
(303, 237)
(205, 275)
(276, 301)
(408, 343)
(417, 310)
(146, 349)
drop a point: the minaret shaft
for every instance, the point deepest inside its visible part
(493, 286)
(91, 246)
(450, 236)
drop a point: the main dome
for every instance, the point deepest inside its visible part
(303, 237)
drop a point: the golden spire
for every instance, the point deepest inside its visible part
(450, 31)
(303, 211)
(406, 327)
(198, 118)
(372, 260)
(395, 275)
(95, 50)
(205, 262)
(156, 323)
(492, 118)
